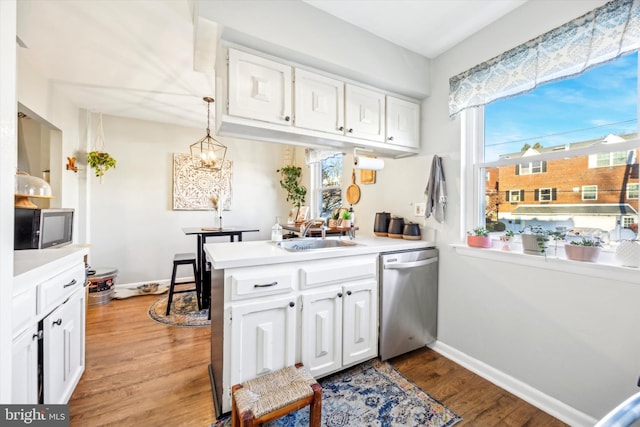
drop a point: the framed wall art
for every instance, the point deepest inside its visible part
(193, 187)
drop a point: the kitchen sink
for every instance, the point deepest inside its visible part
(297, 245)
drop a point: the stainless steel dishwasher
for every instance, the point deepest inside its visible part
(408, 300)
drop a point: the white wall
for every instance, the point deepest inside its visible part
(571, 337)
(133, 226)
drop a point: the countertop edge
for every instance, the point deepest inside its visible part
(32, 266)
(263, 252)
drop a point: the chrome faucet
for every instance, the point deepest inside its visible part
(310, 223)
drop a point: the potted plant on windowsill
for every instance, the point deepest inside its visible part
(536, 240)
(346, 219)
(586, 250)
(506, 239)
(479, 238)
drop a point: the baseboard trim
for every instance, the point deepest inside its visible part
(540, 400)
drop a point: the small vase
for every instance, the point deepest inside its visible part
(628, 253)
(506, 243)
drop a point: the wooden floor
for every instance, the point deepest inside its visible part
(141, 373)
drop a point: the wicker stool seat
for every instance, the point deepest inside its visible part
(269, 397)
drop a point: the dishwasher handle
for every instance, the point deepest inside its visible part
(412, 264)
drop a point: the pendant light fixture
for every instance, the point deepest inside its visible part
(207, 153)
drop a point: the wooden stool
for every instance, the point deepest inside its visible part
(184, 259)
(271, 396)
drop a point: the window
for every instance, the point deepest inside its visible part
(589, 192)
(515, 196)
(531, 168)
(545, 194)
(326, 186)
(558, 149)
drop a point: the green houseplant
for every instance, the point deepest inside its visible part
(584, 249)
(346, 219)
(479, 238)
(290, 181)
(535, 239)
(101, 162)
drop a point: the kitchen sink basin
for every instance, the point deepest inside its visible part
(297, 245)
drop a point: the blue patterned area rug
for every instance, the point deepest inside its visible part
(371, 394)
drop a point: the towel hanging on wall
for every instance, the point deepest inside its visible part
(436, 191)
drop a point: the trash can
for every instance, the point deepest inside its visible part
(101, 285)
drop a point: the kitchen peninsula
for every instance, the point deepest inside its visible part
(258, 324)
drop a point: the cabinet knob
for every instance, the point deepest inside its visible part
(341, 128)
(339, 294)
(287, 118)
(390, 138)
(348, 292)
(350, 130)
(57, 322)
(292, 304)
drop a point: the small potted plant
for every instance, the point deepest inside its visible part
(290, 181)
(479, 238)
(346, 219)
(586, 250)
(335, 218)
(536, 240)
(506, 239)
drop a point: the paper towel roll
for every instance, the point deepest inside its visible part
(368, 163)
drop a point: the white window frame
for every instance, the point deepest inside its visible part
(517, 194)
(316, 188)
(631, 191)
(589, 189)
(630, 159)
(531, 168)
(547, 197)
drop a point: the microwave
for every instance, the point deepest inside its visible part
(42, 228)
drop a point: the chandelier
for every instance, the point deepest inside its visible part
(207, 153)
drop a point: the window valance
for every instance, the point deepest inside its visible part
(594, 38)
(317, 156)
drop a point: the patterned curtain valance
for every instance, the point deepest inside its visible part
(594, 38)
(316, 156)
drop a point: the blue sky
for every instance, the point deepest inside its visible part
(598, 102)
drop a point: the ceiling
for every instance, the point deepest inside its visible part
(135, 58)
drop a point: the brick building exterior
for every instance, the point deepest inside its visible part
(590, 192)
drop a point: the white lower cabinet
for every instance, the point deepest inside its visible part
(263, 337)
(63, 349)
(339, 326)
(25, 367)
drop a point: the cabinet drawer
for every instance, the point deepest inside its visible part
(250, 283)
(24, 309)
(58, 288)
(337, 270)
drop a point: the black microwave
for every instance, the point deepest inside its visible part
(42, 228)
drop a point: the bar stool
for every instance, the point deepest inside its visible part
(274, 395)
(178, 260)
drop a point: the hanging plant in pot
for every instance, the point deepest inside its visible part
(290, 181)
(101, 162)
(479, 238)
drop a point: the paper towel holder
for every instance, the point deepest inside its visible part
(366, 163)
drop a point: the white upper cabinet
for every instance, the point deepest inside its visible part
(364, 113)
(319, 102)
(403, 122)
(259, 89)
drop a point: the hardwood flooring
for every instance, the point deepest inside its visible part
(141, 373)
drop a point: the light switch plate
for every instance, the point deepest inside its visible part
(419, 209)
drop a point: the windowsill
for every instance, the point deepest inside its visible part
(605, 268)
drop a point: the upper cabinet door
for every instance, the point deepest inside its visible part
(319, 102)
(364, 117)
(259, 88)
(403, 123)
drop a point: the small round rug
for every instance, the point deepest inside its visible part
(184, 311)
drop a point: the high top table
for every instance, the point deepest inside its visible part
(203, 233)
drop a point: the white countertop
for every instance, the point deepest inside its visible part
(33, 265)
(263, 252)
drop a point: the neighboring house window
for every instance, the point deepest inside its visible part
(545, 194)
(515, 196)
(632, 191)
(589, 192)
(616, 158)
(326, 186)
(531, 168)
